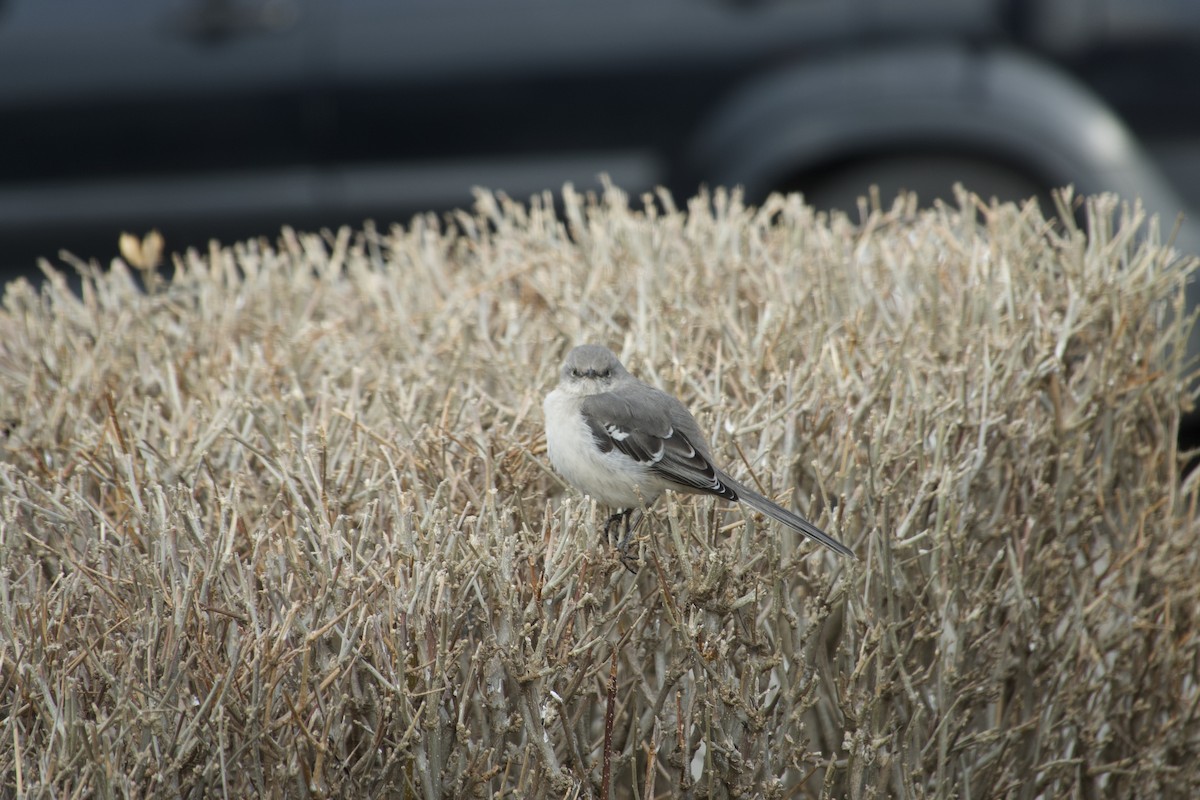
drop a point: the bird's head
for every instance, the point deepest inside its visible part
(591, 369)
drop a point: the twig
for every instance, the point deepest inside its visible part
(609, 713)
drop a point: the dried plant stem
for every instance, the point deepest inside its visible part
(610, 710)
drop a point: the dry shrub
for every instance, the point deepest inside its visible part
(282, 524)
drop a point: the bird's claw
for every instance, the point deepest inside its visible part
(612, 523)
(624, 545)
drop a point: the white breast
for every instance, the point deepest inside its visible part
(611, 478)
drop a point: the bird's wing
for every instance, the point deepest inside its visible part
(636, 420)
(655, 429)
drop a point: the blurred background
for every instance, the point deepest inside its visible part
(229, 118)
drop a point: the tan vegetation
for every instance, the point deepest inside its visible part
(282, 524)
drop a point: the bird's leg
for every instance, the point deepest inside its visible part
(627, 546)
(631, 524)
(613, 527)
(614, 523)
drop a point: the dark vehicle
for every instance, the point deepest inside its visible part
(228, 118)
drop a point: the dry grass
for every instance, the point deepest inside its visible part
(282, 525)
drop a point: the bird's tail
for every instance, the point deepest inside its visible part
(793, 521)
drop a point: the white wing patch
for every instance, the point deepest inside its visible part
(615, 433)
(638, 452)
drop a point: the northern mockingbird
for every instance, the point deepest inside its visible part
(625, 443)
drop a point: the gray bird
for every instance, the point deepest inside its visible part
(624, 443)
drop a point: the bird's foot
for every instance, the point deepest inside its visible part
(612, 527)
(625, 545)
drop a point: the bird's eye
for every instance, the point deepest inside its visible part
(575, 372)
(605, 373)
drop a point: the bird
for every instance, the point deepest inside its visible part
(624, 443)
